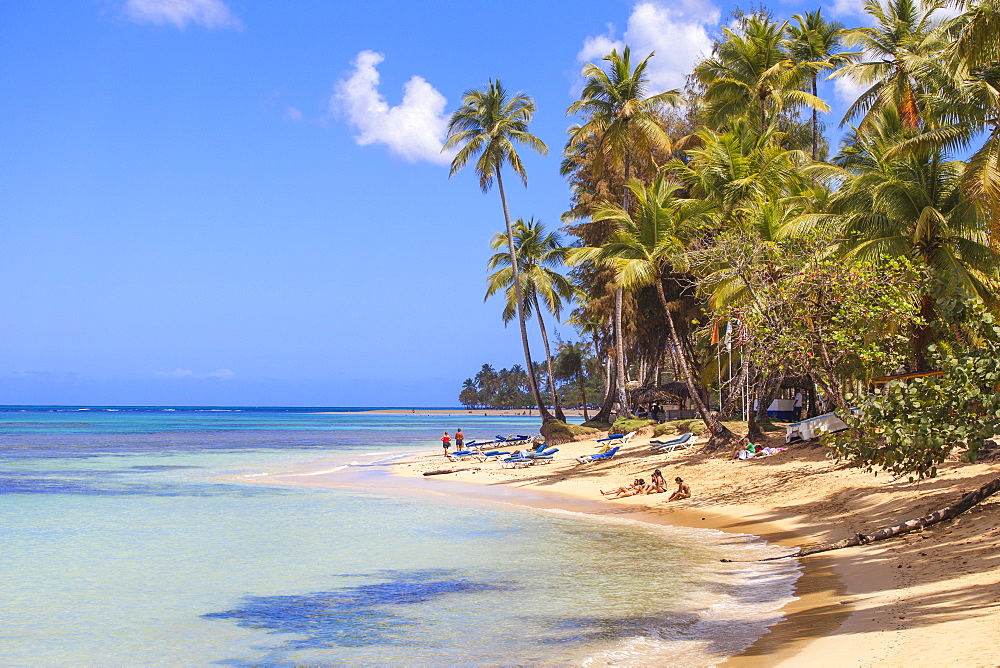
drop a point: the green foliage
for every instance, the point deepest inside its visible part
(913, 426)
(624, 426)
(835, 320)
(557, 431)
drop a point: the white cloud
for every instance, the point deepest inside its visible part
(848, 90)
(294, 114)
(677, 33)
(219, 374)
(206, 13)
(414, 130)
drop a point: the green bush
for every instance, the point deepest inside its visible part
(622, 426)
(665, 429)
(556, 431)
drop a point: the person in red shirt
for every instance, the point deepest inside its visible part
(446, 442)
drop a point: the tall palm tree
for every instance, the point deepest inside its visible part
(538, 254)
(751, 76)
(490, 123)
(902, 57)
(643, 249)
(812, 43)
(624, 121)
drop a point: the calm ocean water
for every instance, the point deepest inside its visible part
(130, 537)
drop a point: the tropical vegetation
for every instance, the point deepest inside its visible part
(723, 209)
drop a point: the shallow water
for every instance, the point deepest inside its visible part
(128, 539)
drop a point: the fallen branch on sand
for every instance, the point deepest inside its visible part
(967, 501)
(443, 471)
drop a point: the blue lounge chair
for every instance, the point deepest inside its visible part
(685, 441)
(611, 438)
(460, 455)
(588, 459)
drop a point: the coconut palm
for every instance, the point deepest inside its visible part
(901, 60)
(750, 75)
(538, 255)
(912, 205)
(490, 124)
(740, 167)
(642, 251)
(571, 364)
(624, 121)
(812, 43)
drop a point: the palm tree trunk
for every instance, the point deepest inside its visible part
(718, 430)
(583, 391)
(621, 377)
(548, 359)
(543, 412)
(815, 123)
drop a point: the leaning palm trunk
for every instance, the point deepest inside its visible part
(548, 360)
(718, 430)
(543, 412)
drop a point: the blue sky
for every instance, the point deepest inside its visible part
(243, 202)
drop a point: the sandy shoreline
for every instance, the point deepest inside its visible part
(911, 601)
(457, 412)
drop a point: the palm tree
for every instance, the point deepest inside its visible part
(812, 43)
(624, 121)
(538, 253)
(740, 167)
(750, 73)
(912, 205)
(490, 124)
(902, 59)
(642, 251)
(570, 364)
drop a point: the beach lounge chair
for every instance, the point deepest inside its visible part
(685, 441)
(542, 454)
(588, 459)
(492, 454)
(611, 439)
(460, 455)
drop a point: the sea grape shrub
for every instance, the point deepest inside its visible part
(913, 426)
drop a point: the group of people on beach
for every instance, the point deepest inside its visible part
(459, 441)
(656, 485)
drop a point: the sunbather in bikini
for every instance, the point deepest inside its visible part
(637, 487)
(657, 483)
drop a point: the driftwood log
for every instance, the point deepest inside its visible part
(967, 501)
(443, 471)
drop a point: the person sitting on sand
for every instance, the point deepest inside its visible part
(657, 483)
(746, 449)
(636, 488)
(683, 491)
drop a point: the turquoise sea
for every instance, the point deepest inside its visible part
(151, 536)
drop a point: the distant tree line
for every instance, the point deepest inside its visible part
(577, 380)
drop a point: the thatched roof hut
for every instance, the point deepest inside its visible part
(668, 393)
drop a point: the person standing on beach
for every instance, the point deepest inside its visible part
(459, 440)
(797, 405)
(446, 442)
